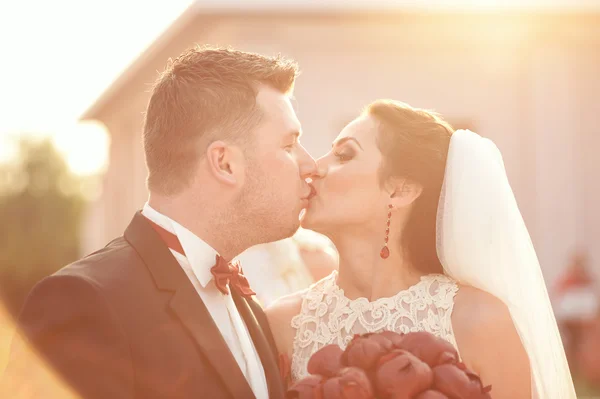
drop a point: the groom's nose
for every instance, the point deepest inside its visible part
(321, 167)
(306, 163)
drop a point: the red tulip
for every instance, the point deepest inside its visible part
(393, 337)
(402, 375)
(350, 383)
(364, 351)
(327, 361)
(431, 349)
(456, 381)
(430, 394)
(310, 387)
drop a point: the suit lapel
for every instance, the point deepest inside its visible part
(262, 346)
(195, 317)
(186, 304)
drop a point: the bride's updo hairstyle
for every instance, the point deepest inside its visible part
(414, 144)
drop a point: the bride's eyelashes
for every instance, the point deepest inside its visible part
(344, 155)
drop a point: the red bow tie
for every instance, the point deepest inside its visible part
(223, 272)
(230, 272)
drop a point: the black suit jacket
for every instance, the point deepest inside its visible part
(125, 322)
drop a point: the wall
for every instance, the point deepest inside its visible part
(528, 83)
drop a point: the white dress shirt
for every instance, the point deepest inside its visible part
(198, 260)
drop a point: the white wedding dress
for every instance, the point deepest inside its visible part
(328, 317)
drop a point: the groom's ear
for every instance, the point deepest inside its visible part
(225, 162)
(404, 192)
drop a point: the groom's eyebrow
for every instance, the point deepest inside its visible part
(345, 139)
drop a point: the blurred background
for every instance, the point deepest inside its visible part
(525, 73)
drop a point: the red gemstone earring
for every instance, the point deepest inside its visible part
(385, 251)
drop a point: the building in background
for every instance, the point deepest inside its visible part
(527, 80)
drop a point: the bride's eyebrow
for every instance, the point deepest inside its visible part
(345, 139)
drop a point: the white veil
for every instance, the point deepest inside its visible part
(482, 241)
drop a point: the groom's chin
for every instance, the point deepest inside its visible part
(290, 229)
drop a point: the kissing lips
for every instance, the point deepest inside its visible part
(312, 193)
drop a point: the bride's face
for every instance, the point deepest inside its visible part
(348, 193)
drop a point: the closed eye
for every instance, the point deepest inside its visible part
(343, 156)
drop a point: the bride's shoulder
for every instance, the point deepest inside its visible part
(480, 320)
(488, 341)
(280, 314)
(475, 309)
(288, 306)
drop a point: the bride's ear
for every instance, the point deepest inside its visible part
(404, 192)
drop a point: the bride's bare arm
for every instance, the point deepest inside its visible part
(490, 345)
(280, 314)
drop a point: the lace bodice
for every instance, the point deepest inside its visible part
(328, 317)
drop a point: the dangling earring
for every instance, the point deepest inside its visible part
(385, 251)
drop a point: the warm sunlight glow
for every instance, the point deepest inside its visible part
(8, 149)
(84, 146)
(58, 57)
(494, 4)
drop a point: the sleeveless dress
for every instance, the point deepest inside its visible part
(328, 317)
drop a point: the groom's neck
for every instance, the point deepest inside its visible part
(203, 220)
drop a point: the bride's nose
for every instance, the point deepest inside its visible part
(322, 167)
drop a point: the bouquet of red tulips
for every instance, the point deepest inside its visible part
(416, 365)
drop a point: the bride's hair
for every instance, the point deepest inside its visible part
(414, 144)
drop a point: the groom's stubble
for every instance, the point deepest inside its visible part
(261, 211)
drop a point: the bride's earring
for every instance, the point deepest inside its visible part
(385, 251)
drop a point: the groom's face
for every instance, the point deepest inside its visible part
(275, 189)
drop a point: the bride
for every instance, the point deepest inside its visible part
(429, 239)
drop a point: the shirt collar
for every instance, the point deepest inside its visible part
(199, 254)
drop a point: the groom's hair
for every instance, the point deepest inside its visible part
(203, 95)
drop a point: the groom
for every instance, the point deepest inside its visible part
(162, 312)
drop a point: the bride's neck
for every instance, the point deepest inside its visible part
(363, 273)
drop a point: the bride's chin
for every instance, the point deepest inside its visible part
(306, 219)
(313, 221)
(303, 223)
